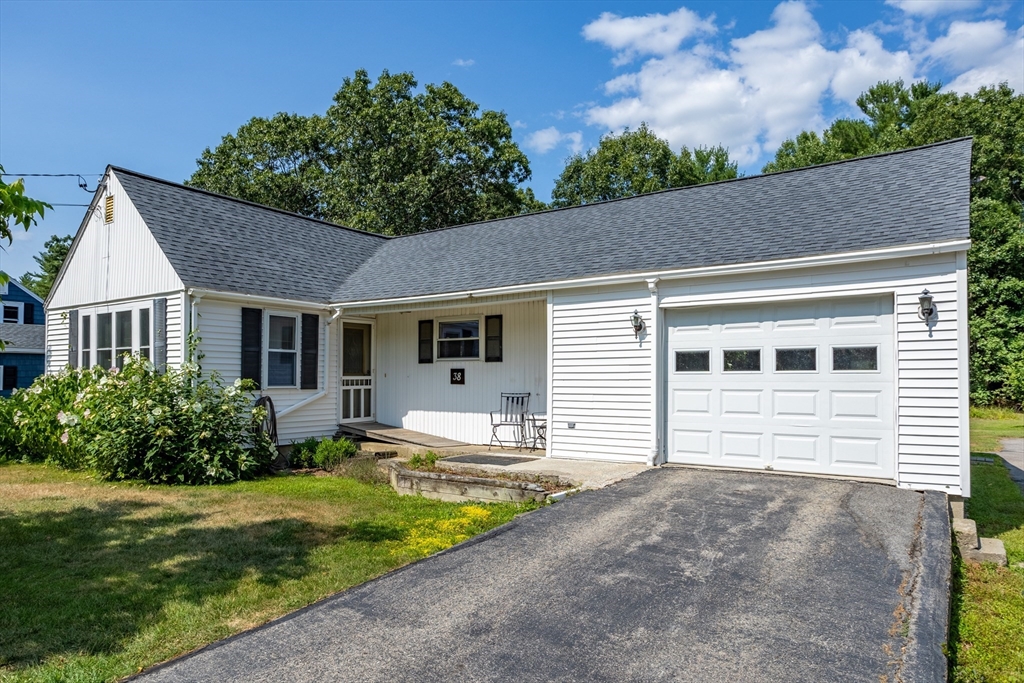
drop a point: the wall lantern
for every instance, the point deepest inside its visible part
(926, 310)
(637, 322)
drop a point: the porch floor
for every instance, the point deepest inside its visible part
(376, 431)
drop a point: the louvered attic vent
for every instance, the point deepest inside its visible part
(108, 209)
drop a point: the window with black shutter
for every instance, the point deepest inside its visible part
(28, 315)
(252, 344)
(426, 341)
(492, 330)
(310, 350)
(10, 377)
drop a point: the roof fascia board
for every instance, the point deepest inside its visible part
(114, 302)
(256, 299)
(15, 349)
(26, 290)
(732, 269)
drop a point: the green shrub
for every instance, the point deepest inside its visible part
(329, 454)
(425, 461)
(136, 423)
(303, 453)
(8, 432)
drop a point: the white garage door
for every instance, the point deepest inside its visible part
(802, 387)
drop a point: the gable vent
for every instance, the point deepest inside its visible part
(108, 209)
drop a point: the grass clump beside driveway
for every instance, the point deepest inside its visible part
(100, 580)
(988, 601)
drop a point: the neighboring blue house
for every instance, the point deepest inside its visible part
(22, 330)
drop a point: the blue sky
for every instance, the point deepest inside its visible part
(149, 85)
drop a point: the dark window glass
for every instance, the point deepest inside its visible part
(743, 360)
(281, 368)
(123, 321)
(356, 354)
(855, 358)
(459, 339)
(86, 341)
(796, 360)
(10, 314)
(282, 332)
(10, 378)
(104, 340)
(143, 327)
(493, 343)
(693, 361)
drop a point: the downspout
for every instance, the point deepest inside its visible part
(327, 364)
(654, 457)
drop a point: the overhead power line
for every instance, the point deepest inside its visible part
(81, 181)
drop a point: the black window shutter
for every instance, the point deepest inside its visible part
(28, 313)
(252, 344)
(160, 334)
(310, 350)
(10, 377)
(73, 338)
(426, 341)
(493, 346)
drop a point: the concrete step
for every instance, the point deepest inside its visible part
(966, 534)
(989, 550)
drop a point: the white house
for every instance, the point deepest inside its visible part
(782, 323)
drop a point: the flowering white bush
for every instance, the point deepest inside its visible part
(136, 423)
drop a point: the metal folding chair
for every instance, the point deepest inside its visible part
(512, 414)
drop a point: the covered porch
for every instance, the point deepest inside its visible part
(431, 373)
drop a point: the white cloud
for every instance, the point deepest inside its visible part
(761, 88)
(932, 8)
(545, 140)
(653, 34)
(518, 124)
(464, 62)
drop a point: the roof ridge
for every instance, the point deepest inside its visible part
(690, 187)
(182, 186)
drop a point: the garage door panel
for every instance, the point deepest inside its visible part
(803, 415)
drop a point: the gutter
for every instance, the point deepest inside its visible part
(631, 278)
(256, 299)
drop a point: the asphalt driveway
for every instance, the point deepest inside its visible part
(676, 574)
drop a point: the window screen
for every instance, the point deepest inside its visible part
(741, 360)
(144, 333)
(86, 341)
(123, 322)
(693, 361)
(460, 339)
(104, 340)
(796, 360)
(493, 343)
(426, 341)
(281, 355)
(854, 358)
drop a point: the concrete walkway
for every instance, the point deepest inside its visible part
(585, 474)
(673, 575)
(1013, 454)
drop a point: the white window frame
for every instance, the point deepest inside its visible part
(297, 317)
(95, 311)
(817, 361)
(759, 349)
(711, 361)
(458, 319)
(878, 358)
(21, 312)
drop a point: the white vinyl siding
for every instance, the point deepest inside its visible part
(600, 375)
(419, 396)
(220, 329)
(114, 261)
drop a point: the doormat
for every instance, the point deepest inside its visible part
(488, 459)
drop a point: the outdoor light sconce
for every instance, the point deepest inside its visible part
(637, 322)
(926, 310)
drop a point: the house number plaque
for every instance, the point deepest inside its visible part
(458, 376)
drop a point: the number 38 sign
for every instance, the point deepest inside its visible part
(458, 376)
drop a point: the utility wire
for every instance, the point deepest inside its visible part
(81, 181)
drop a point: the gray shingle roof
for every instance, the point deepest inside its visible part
(902, 198)
(23, 336)
(221, 243)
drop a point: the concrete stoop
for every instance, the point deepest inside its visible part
(974, 549)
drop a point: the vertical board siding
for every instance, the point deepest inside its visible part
(113, 261)
(420, 397)
(600, 375)
(219, 328)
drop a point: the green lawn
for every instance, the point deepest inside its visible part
(99, 580)
(988, 601)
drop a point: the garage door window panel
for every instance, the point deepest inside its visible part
(855, 359)
(796, 360)
(741, 360)
(693, 361)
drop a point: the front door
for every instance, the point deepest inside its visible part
(356, 373)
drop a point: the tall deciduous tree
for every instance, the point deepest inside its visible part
(55, 250)
(383, 158)
(898, 117)
(636, 162)
(16, 208)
